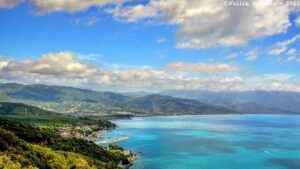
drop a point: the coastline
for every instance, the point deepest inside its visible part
(212, 114)
(130, 155)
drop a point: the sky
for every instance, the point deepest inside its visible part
(152, 45)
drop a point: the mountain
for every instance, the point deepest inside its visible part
(63, 99)
(46, 93)
(88, 102)
(7, 108)
(136, 93)
(159, 104)
(246, 101)
(4, 98)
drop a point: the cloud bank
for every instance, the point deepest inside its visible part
(64, 68)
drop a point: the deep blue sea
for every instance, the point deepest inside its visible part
(212, 141)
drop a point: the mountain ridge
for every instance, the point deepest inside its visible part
(84, 101)
(89, 102)
(286, 101)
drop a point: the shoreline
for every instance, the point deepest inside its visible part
(239, 114)
(109, 145)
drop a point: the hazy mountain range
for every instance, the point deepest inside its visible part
(245, 101)
(88, 102)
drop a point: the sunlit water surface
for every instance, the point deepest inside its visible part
(212, 142)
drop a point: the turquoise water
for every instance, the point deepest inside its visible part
(212, 142)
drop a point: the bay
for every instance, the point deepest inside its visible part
(211, 141)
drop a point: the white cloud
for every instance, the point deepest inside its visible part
(88, 21)
(201, 24)
(71, 6)
(161, 40)
(232, 56)
(63, 68)
(201, 67)
(292, 51)
(290, 58)
(278, 51)
(209, 23)
(283, 77)
(252, 55)
(3, 62)
(9, 3)
(59, 64)
(276, 81)
(291, 55)
(281, 47)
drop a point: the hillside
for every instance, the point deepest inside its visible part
(4, 98)
(64, 99)
(88, 102)
(159, 104)
(44, 93)
(25, 146)
(7, 108)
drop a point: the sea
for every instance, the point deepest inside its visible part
(210, 141)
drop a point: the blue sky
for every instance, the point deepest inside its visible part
(151, 45)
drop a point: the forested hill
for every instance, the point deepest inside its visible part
(7, 108)
(88, 102)
(159, 104)
(25, 146)
(44, 93)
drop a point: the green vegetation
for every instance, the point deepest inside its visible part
(166, 105)
(82, 102)
(8, 108)
(39, 117)
(29, 139)
(26, 146)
